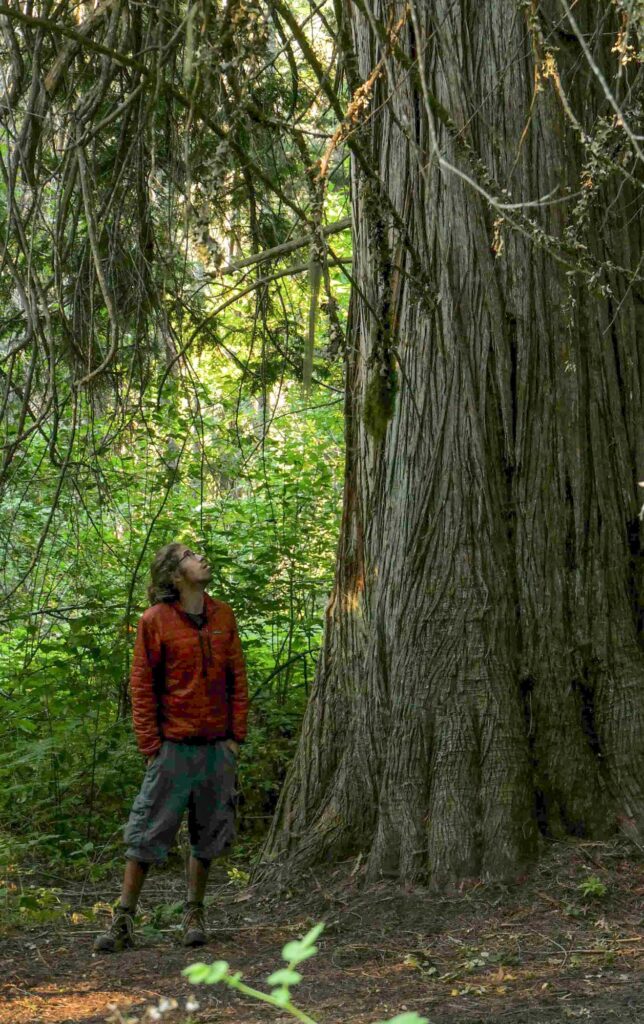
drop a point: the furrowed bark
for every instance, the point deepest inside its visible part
(481, 676)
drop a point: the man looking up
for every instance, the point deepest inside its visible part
(190, 706)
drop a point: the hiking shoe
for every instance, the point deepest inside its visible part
(120, 934)
(193, 925)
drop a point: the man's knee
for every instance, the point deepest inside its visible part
(143, 865)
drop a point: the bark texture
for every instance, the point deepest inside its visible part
(481, 676)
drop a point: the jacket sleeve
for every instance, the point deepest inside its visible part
(239, 695)
(147, 657)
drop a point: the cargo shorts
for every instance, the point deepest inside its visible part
(197, 776)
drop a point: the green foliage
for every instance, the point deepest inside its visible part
(281, 981)
(196, 427)
(165, 914)
(238, 877)
(30, 906)
(262, 503)
(592, 888)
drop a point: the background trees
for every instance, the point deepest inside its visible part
(156, 222)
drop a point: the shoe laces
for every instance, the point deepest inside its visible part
(123, 924)
(193, 916)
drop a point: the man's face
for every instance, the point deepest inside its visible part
(193, 568)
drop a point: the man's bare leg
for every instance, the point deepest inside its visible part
(133, 879)
(197, 879)
(194, 925)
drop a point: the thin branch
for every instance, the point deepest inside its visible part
(107, 298)
(602, 81)
(70, 33)
(281, 250)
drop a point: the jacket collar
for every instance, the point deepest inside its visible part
(208, 609)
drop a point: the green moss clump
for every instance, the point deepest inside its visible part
(380, 399)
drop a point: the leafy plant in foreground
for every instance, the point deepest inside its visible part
(294, 953)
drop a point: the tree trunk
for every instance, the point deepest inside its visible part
(481, 677)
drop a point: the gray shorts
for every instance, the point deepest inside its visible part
(200, 777)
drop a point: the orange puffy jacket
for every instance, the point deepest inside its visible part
(188, 682)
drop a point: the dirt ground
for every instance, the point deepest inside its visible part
(553, 948)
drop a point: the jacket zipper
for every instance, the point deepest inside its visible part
(204, 672)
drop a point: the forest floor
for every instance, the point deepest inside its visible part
(566, 944)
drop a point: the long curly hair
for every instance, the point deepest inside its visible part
(164, 564)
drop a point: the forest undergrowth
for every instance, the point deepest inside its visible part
(565, 944)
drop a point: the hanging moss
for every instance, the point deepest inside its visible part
(380, 398)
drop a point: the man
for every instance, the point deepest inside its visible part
(189, 705)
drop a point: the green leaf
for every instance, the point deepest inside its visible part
(312, 935)
(25, 725)
(206, 974)
(282, 996)
(218, 971)
(295, 952)
(196, 973)
(284, 977)
(29, 902)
